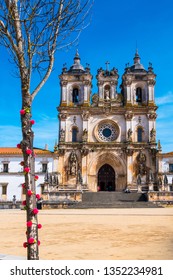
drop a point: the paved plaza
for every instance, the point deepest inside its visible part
(84, 234)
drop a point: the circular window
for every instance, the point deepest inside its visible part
(107, 132)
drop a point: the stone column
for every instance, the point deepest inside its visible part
(129, 154)
(151, 83)
(100, 88)
(85, 117)
(128, 89)
(112, 91)
(84, 169)
(85, 93)
(64, 92)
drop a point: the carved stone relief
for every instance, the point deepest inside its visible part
(85, 115)
(63, 116)
(129, 115)
(85, 135)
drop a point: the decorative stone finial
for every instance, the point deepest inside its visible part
(159, 146)
(137, 57)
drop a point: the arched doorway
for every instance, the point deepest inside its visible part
(106, 178)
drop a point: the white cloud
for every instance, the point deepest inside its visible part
(167, 98)
(45, 132)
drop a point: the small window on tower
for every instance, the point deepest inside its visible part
(74, 134)
(75, 97)
(139, 134)
(44, 167)
(139, 95)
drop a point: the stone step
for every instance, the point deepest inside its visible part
(111, 197)
(117, 204)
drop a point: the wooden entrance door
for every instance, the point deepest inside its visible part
(106, 178)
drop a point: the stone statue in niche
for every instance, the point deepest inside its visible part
(107, 94)
(73, 164)
(85, 135)
(73, 168)
(62, 135)
(139, 180)
(95, 99)
(141, 160)
(153, 135)
(129, 135)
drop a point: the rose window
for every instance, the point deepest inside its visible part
(107, 132)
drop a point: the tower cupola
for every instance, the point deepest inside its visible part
(137, 63)
(77, 67)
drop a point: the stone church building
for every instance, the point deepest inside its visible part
(107, 140)
(107, 143)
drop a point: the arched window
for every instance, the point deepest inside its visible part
(75, 95)
(139, 95)
(139, 134)
(74, 134)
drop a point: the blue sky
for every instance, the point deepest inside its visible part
(115, 28)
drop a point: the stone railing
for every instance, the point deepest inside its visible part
(161, 196)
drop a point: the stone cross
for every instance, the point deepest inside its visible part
(107, 65)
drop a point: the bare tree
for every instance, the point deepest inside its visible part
(32, 31)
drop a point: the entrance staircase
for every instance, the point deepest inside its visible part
(113, 200)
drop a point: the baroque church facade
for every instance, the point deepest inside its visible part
(107, 140)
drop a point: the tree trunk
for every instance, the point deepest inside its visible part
(29, 172)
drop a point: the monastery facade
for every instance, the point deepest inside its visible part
(107, 139)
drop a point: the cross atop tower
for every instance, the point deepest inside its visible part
(107, 65)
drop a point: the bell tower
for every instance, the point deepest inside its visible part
(138, 84)
(75, 84)
(73, 121)
(137, 89)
